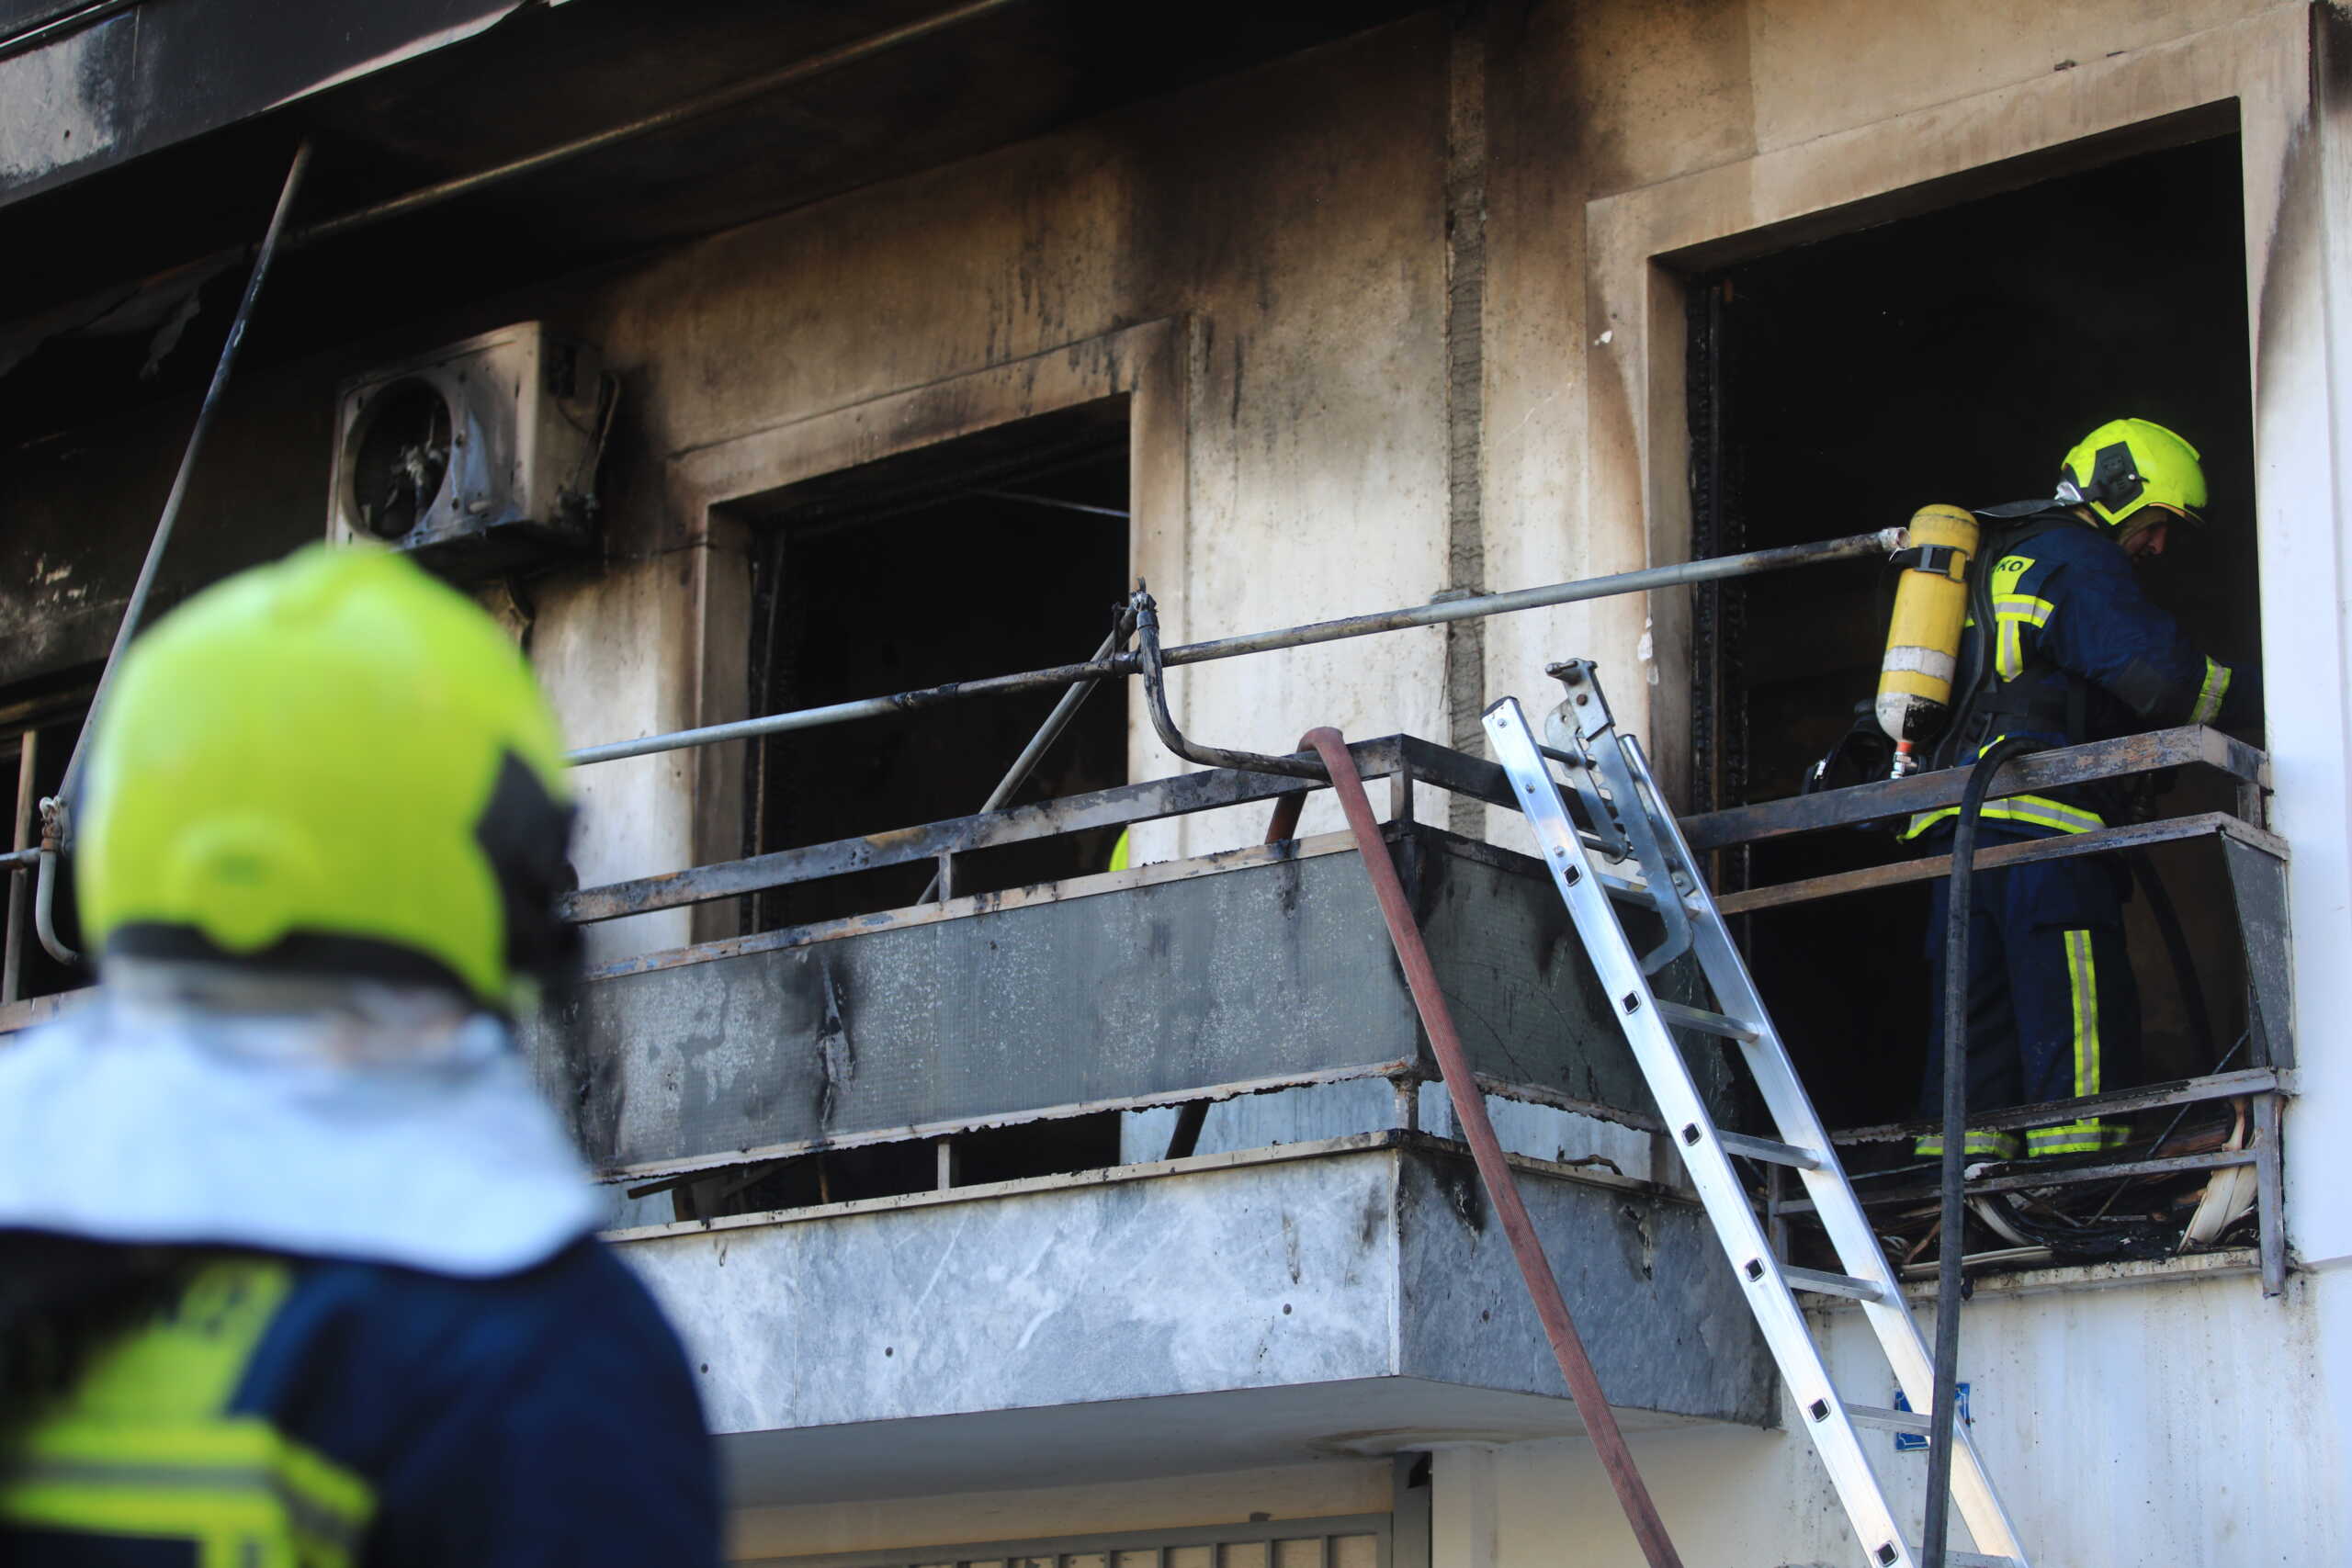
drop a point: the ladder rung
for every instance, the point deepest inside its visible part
(1766, 1149)
(1889, 1420)
(1631, 892)
(1976, 1560)
(1639, 893)
(1825, 1284)
(1681, 1017)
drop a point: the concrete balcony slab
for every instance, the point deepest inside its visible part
(1259, 1307)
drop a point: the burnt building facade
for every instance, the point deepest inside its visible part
(746, 362)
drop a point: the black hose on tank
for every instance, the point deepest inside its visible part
(2166, 916)
(1948, 1275)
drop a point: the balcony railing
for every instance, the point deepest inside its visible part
(2255, 860)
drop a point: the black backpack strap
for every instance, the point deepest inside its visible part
(2015, 511)
(2011, 525)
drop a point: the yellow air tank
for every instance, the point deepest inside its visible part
(1923, 643)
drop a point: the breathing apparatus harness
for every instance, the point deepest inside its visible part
(1931, 710)
(1980, 703)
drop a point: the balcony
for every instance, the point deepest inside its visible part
(1333, 1288)
(1321, 1295)
(1314, 1295)
(1259, 969)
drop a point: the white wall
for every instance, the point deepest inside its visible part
(2155, 1425)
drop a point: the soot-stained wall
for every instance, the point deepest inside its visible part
(1285, 222)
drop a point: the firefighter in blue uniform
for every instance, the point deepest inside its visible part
(296, 1269)
(2078, 652)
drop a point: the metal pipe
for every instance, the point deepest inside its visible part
(675, 114)
(1487, 1152)
(1154, 686)
(1057, 502)
(1047, 733)
(1176, 796)
(1649, 579)
(12, 960)
(204, 416)
(1058, 720)
(45, 903)
(1679, 574)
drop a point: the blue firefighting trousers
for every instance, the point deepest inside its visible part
(2052, 1010)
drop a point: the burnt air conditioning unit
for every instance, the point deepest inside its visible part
(478, 459)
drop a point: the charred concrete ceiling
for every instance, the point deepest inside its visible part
(125, 262)
(92, 85)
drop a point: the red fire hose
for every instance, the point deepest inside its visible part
(1494, 1174)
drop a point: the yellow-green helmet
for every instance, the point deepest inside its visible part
(334, 764)
(2130, 464)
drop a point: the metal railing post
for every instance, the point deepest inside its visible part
(12, 962)
(205, 412)
(943, 882)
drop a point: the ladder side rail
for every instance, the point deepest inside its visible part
(1664, 875)
(1840, 1212)
(1607, 772)
(1782, 1090)
(1692, 1130)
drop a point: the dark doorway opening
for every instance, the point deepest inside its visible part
(1002, 551)
(1953, 356)
(996, 552)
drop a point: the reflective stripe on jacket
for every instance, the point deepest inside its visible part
(148, 1443)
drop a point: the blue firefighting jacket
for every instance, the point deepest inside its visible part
(2079, 653)
(282, 1412)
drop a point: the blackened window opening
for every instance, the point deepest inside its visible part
(1953, 356)
(1002, 551)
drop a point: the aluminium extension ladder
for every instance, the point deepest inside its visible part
(1626, 819)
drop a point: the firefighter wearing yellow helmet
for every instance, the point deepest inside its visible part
(2064, 646)
(2133, 474)
(300, 1268)
(335, 766)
